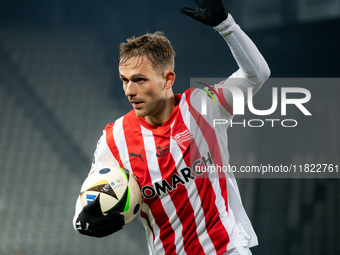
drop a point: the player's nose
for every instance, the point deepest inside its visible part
(130, 89)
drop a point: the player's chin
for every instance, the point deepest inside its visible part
(140, 112)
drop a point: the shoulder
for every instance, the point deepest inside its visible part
(129, 117)
(185, 96)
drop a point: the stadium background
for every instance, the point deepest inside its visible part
(59, 87)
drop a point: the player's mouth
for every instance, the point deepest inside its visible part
(136, 104)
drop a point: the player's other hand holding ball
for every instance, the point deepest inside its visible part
(209, 12)
(92, 222)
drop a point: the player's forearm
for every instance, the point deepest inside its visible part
(249, 59)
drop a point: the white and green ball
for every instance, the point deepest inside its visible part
(118, 190)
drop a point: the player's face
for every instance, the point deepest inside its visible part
(146, 89)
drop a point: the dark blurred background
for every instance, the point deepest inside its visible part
(59, 87)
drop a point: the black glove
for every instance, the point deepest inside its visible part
(209, 12)
(92, 222)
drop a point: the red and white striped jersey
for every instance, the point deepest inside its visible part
(185, 212)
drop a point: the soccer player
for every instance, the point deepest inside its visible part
(165, 137)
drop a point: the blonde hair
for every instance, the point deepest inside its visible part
(156, 47)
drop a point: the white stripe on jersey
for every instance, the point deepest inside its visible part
(119, 137)
(168, 206)
(149, 234)
(184, 108)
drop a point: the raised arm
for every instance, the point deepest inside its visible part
(253, 70)
(252, 66)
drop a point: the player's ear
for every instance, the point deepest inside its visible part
(169, 78)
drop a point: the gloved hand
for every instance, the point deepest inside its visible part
(209, 12)
(92, 222)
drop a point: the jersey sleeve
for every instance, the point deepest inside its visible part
(103, 156)
(253, 70)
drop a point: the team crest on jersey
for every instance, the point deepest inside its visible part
(182, 137)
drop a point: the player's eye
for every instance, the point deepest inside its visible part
(124, 80)
(139, 80)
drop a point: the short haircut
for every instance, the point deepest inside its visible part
(156, 47)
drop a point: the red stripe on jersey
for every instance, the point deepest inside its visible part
(112, 144)
(145, 216)
(187, 94)
(210, 136)
(180, 198)
(214, 226)
(224, 102)
(217, 232)
(135, 144)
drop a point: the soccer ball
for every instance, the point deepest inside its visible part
(117, 190)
